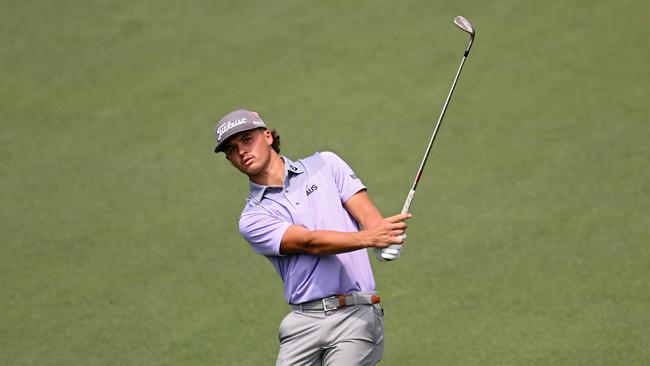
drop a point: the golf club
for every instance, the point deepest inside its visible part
(393, 251)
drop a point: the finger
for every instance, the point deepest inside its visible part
(399, 225)
(399, 217)
(396, 239)
(396, 226)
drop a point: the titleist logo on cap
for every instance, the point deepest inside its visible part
(228, 126)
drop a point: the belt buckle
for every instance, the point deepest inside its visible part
(324, 301)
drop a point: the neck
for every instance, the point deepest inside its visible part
(273, 173)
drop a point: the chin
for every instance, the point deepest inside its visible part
(251, 170)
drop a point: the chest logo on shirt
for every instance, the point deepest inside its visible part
(311, 189)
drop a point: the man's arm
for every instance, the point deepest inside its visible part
(363, 210)
(376, 232)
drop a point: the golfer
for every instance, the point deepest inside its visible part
(312, 219)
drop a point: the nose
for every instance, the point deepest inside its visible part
(241, 149)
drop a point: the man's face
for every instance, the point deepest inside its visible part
(249, 151)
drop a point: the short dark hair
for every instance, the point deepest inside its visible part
(276, 141)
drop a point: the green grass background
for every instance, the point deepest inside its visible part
(118, 226)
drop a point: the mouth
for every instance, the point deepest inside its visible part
(248, 160)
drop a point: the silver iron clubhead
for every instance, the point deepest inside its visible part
(464, 24)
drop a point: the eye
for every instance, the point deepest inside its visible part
(247, 140)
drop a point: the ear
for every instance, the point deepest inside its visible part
(268, 136)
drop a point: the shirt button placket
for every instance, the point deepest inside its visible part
(287, 196)
(290, 198)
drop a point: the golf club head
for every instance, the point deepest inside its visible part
(464, 24)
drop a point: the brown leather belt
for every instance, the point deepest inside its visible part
(332, 303)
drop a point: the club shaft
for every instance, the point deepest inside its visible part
(411, 193)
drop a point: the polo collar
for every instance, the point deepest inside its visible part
(292, 167)
(257, 190)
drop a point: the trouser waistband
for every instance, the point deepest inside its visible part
(338, 301)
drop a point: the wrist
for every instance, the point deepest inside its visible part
(364, 240)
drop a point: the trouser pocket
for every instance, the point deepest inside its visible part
(378, 314)
(283, 330)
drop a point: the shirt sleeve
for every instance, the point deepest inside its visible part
(346, 181)
(263, 232)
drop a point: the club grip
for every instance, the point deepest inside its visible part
(407, 203)
(386, 255)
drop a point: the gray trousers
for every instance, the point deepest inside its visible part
(347, 336)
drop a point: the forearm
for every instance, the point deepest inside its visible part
(325, 242)
(370, 218)
(298, 239)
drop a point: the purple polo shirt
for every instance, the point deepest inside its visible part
(315, 189)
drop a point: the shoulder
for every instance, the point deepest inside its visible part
(323, 158)
(252, 214)
(252, 209)
(329, 156)
(314, 162)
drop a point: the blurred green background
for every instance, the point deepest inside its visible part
(118, 225)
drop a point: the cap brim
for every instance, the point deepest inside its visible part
(222, 144)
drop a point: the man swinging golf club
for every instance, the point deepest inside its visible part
(312, 219)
